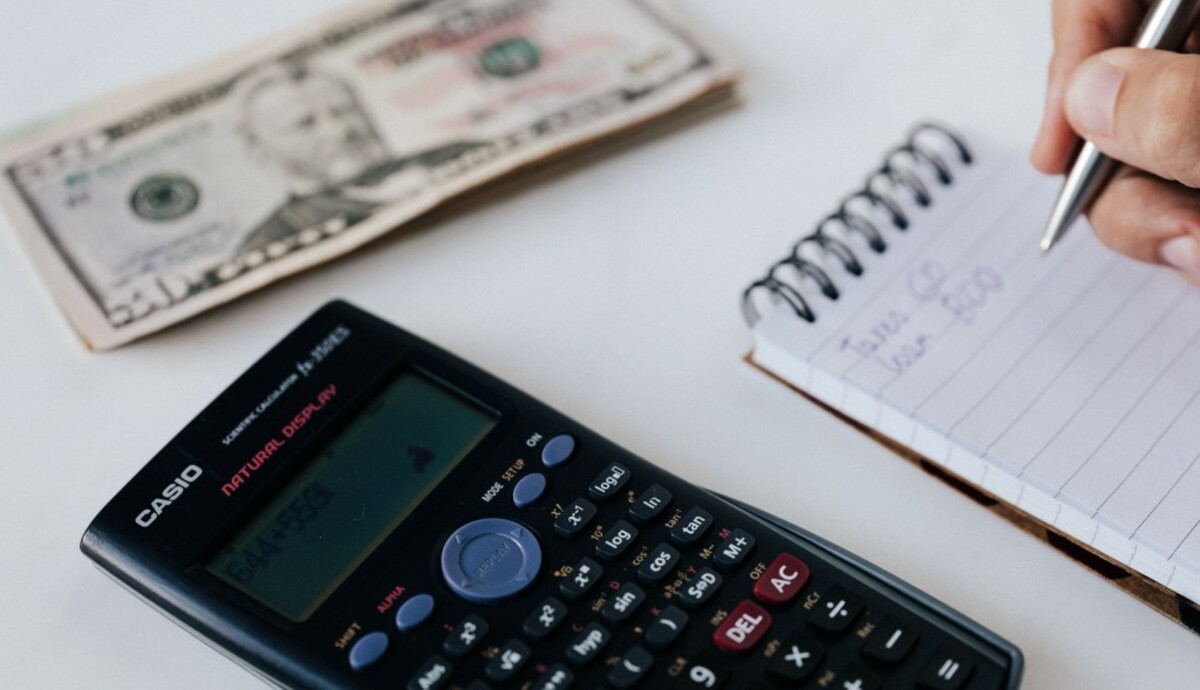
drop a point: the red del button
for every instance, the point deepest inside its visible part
(782, 580)
(743, 628)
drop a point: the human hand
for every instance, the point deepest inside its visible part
(1141, 107)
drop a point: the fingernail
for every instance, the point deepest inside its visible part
(1092, 97)
(1183, 253)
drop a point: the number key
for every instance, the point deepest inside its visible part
(707, 671)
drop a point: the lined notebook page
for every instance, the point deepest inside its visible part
(1067, 384)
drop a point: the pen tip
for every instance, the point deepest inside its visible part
(1047, 242)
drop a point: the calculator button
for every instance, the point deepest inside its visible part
(529, 489)
(557, 677)
(658, 565)
(945, 671)
(708, 671)
(624, 603)
(465, 636)
(616, 540)
(631, 668)
(703, 585)
(836, 612)
(582, 579)
(609, 482)
(734, 549)
(414, 612)
(890, 642)
(782, 580)
(575, 518)
(558, 450)
(692, 526)
(667, 627)
(743, 628)
(588, 644)
(855, 677)
(650, 503)
(490, 559)
(796, 659)
(545, 618)
(508, 662)
(369, 649)
(434, 674)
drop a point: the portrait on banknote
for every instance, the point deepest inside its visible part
(152, 207)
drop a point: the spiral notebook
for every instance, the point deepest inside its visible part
(1060, 389)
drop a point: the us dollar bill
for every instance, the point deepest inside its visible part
(161, 203)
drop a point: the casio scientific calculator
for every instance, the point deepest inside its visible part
(363, 509)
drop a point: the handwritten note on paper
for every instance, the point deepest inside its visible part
(1072, 379)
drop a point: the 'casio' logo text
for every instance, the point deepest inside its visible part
(170, 493)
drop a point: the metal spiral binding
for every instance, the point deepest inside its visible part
(897, 175)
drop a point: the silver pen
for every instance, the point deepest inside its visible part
(1165, 27)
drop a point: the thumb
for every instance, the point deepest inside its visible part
(1141, 107)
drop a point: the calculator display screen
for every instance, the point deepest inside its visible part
(321, 525)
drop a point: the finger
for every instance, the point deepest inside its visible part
(1081, 28)
(1150, 219)
(1141, 107)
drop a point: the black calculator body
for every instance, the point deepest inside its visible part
(363, 509)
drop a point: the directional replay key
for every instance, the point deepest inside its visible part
(490, 559)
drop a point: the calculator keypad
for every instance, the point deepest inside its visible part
(642, 587)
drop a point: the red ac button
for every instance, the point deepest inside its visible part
(782, 580)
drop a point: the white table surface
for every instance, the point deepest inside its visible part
(610, 292)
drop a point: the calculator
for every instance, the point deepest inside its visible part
(362, 509)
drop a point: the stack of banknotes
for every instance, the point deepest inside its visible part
(157, 204)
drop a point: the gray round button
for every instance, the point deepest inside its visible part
(490, 559)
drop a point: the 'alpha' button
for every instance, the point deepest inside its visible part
(490, 559)
(414, 612)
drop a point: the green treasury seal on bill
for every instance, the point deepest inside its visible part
(144, 211)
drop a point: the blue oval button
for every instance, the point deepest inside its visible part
(414, 612)
(529, 489)
(490, 559)
(369, 649)
(558, 450)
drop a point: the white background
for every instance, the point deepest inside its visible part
(610, 292)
